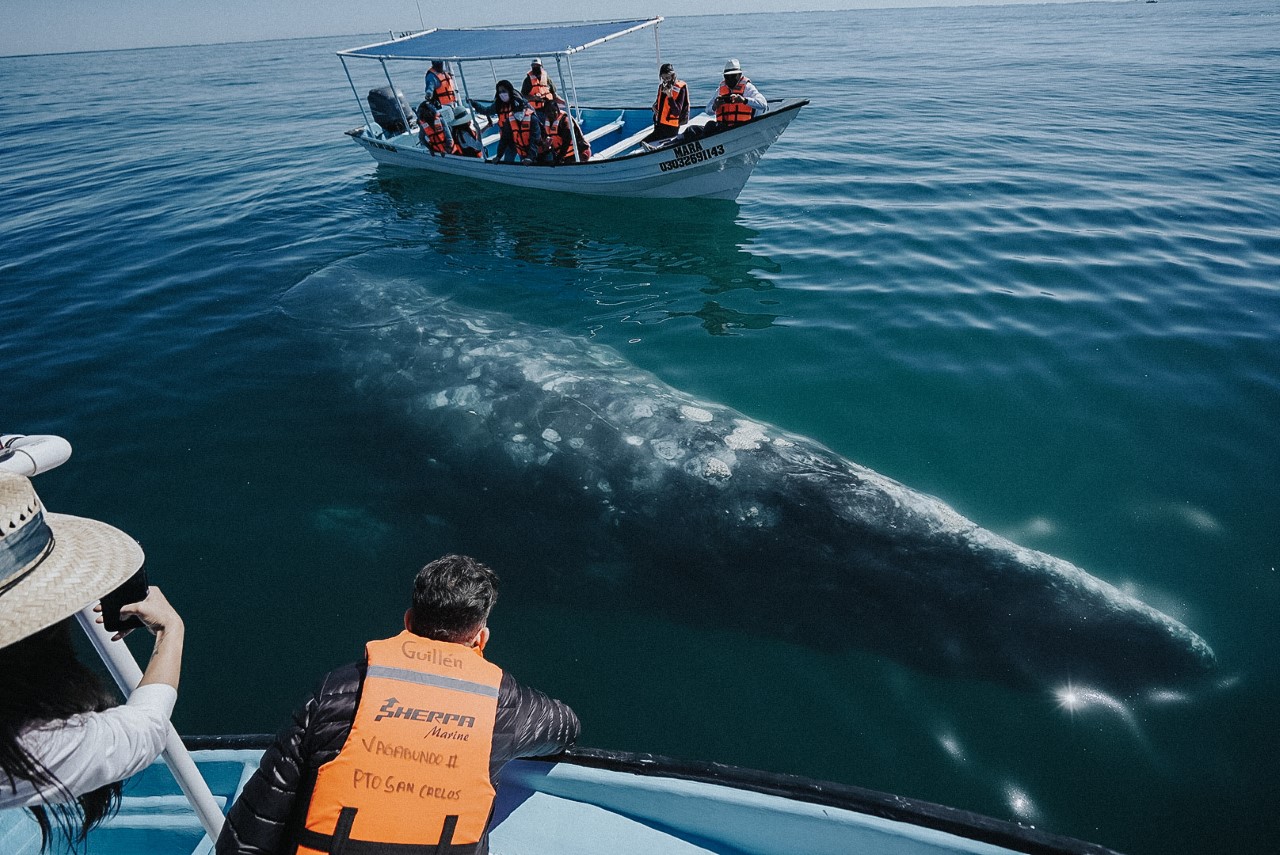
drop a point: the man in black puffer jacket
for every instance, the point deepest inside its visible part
(405, 747)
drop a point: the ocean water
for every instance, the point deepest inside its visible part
(1025, 259)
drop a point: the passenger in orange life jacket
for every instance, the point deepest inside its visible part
(560, 133)
(439, 86)
(466, 134)
(537, 83)
(671, 107)
(433, 129)
(504, 108)
(400, 752)
(737, 100)
(528, 132)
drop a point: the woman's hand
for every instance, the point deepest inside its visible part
(155, 612)
(162, 621)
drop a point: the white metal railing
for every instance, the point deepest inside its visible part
(125, 671)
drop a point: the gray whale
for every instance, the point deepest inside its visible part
(717, 517)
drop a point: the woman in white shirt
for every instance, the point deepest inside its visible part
(65, 744)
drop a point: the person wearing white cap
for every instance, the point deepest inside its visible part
(64, 743)
(737, 100)
(537, 83)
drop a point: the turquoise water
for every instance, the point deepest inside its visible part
(1021, 258)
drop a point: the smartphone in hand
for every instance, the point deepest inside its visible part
(131, 591)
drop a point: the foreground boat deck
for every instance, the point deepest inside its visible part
(594, 802)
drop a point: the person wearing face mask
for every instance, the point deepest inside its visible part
(505, 110)
(528, 131)
(537, 83)
(671, 107)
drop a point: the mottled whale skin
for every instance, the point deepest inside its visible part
(728, 520)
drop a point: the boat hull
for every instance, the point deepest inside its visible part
(714, 167)
(640, 804)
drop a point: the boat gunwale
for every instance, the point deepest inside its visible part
(787, 105)
(918, 812)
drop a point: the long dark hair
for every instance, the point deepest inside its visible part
(44, 681)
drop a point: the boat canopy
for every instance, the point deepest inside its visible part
(461, 45)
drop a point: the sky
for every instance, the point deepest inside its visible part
(51, 26)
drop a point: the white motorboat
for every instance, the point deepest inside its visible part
(714, 166)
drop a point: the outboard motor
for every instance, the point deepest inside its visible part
(382, 102)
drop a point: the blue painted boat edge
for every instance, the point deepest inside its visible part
(785, 105)
(962, 823)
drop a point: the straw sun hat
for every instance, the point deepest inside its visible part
(53, 565)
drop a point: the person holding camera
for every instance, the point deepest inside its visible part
(65, 741)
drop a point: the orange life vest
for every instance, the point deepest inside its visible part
(467, 139)
(507, 122)
(539, 87)
(669, 107)
(561, 132)
(521, 125)
(445, 92)
(438, 137)
(414, 771)
(730, 113)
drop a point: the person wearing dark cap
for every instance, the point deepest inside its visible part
(528, 131)
(440, 90)
(671, 107)
(561, 136)
(537, 83)
(65, 741)
(737, 101)
(434, 133)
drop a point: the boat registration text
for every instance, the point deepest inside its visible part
(689, 154)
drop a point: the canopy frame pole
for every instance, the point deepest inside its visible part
(494, 72)
(395, 96)
(125, 671)
(368, 126)
(466, 99)
(466, 95)
(573, 140)
(560, 74)
(573, 87)
(657, 43)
